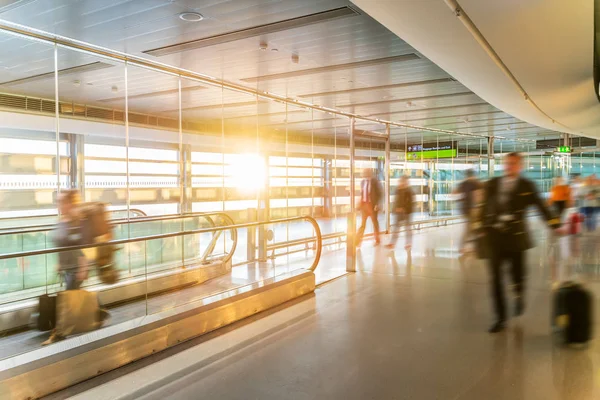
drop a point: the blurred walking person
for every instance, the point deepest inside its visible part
(503, 219)
(589, 193)
(561, 197)
(576, 191)
(71, 264)
(370, 195)
(470, 198)
(402, 210)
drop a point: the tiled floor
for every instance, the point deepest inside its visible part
(406, 326)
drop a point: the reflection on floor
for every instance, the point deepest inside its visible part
(406, 326)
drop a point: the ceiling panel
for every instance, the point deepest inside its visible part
(352, 63)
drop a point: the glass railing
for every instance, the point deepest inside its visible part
(32, 272)
(201, 266)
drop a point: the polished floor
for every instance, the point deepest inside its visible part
(406, 326)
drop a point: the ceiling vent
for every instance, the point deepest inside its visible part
(409, 100)
(153, 94)
(61, 72)
(388, 113)
(254, 31)
(337, 67)
(454, 116)
(383, 87)
(218, 106)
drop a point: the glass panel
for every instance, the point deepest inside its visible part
(29, 165)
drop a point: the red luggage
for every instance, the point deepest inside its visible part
(575, 221)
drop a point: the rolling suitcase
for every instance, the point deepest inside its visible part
(45, 320)
(575, 221)
(78, 311)
(573, 313)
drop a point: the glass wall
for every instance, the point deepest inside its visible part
(169, 154)
(166, 154)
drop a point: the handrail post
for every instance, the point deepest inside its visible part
(262, 234)
(387, 173)
(251, 236)
(351, 228)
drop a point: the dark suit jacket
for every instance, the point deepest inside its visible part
(514, 235)
(375, 191)
(404, 199)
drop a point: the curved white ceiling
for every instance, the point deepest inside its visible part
(546, 44)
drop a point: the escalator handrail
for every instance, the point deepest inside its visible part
(120, 221)
(134, 210)
(233, 228)
(336, 235)
(43, 227)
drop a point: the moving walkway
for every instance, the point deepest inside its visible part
(173, 286)
(165, 264)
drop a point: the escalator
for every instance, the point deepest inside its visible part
(152, 307)
(159, 267)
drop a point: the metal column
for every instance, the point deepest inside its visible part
(264, 212)
(76, 172)
(185, 179)
(327, 187)
(565, 139)
(387, 172)
(490, 156)
(566, 158)
(251, 238)
(351, 228)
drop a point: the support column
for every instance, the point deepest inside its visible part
(351, 228)
(327, 187)
(264, 213)
(185, 179)
(76, 171)
(490, 156)
(251, 238)
(386, 170)
(566, 161)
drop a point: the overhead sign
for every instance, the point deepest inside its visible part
(563, 149)
(431, 146)
(428, 151)
(432, 154)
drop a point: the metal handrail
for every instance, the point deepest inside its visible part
(135, 210)
(336, 235)
(120, 221)
(233, 228)
(42, 227)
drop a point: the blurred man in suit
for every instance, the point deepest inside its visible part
(370, 195)
(470, 194)
(503, 218)
(402, 210)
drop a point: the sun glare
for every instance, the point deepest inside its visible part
(249, 172)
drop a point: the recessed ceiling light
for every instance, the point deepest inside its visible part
(191, 16)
